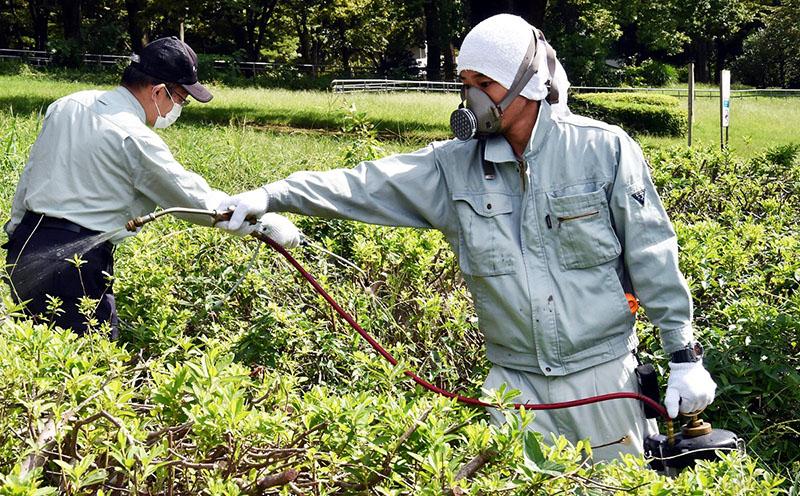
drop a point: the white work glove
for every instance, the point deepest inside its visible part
(244, 204)
(689, 388)
(276, 227)
(280, 230)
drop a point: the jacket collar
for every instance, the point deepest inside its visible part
(122, 96)
(498, 150)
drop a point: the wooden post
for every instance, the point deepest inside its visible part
(691, 102)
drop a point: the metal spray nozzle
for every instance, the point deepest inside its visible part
(137, 222)
(218, 216)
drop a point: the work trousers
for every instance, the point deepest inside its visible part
(38, 266)
(614, 427)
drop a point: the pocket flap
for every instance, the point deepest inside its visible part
(576, 204)
(486, 204)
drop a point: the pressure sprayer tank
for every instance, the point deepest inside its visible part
(697, 441)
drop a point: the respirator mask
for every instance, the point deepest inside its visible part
(478, 116)
(171, 116)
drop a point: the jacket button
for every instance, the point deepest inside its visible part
(547, 369)
(488, 206)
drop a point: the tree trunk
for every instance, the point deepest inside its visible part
(434, 39)
(532, 11)
(315, 60)
(303, 36)
(40, 13)
(257, 16)
(249, 27)
(701, 62)
(449, 63)
(71, 18)
(344, 50)
(136, 30)
(264, 17)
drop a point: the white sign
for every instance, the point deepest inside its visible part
(725, 95)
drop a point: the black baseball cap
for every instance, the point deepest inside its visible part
(172, 61)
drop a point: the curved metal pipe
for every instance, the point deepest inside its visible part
(218, 216)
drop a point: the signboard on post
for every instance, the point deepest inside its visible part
(724, 107)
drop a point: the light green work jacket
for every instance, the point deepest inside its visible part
(548, 248)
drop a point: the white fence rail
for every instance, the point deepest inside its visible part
(43, 58)
(350, 85)
(386, 85)
(39, 57)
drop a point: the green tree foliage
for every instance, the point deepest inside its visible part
(772, 54)
(365, 37)
(582, 32)
(712, 26)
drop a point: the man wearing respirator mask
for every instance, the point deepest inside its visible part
(558, 231)
(95, 164)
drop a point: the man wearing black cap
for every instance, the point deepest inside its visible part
(95, 164)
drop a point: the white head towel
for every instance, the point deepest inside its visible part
(496, 47)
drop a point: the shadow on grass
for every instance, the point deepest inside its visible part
(17, 105)
(306, 119)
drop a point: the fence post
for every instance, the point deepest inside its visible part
(691, 102)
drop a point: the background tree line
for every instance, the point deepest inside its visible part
(759, 39)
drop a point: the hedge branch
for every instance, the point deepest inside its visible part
(280, 479)
(177, 432)
(471, 468)
(307, 433)
(47, 437)
(376, 477)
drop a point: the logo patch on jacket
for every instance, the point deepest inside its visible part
(639, 196)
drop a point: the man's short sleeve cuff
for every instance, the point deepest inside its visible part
(676, 339)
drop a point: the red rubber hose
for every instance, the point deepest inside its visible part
(427, 385)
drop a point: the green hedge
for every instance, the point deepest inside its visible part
(209, 392)
(637, 113)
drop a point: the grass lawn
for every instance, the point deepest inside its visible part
(413, 118)
(756, 123)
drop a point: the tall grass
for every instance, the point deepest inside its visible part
(413, 118)
(756, 123)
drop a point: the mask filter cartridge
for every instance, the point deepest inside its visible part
(463, 123)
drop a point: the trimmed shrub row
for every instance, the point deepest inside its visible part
(637, 113)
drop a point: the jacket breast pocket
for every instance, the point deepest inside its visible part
(586, 237)
(486, 242)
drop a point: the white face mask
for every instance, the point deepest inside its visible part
(170, 118)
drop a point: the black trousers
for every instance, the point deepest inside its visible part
(38, 266)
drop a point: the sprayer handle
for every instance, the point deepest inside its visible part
(226, 215)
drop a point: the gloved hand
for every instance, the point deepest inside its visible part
(277, 227)
(253, 202)
(280, 230)
(689, 388)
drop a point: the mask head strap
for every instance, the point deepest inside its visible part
(552, 86)
(528, 67)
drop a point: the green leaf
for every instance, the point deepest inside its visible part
(535, 459)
